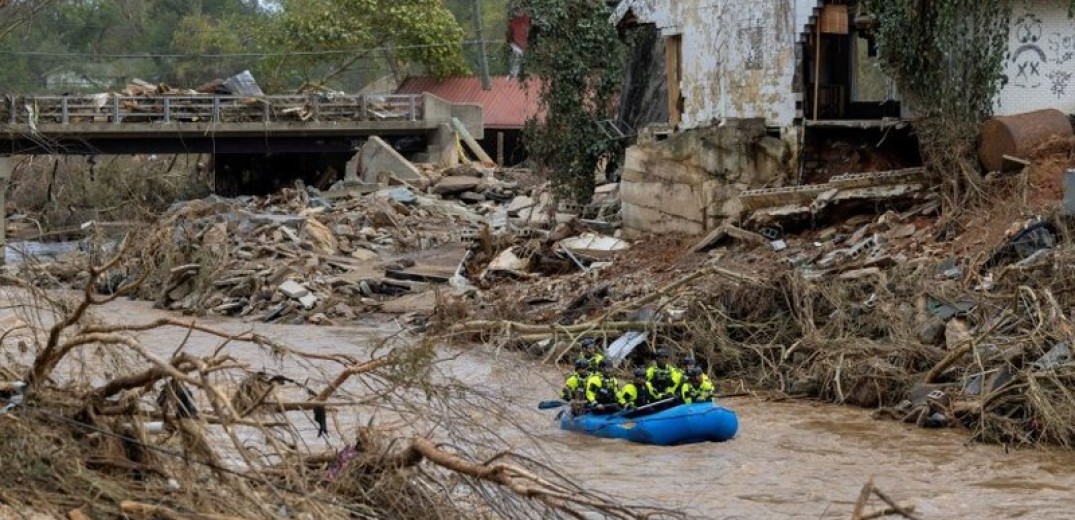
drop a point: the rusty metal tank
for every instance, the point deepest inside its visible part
(1019, 134)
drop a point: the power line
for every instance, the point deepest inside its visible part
(239, 54)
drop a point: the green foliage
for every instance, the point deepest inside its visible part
(494, 15)
(95, 45)
(199, 34)
(947, 58)
(576, 60)
(404, 31)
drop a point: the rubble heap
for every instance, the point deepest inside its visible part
(934, 319)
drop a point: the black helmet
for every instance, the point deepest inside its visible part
(588, 342)
(689, 360)
(604, 364)
(661, 353)
(582, 364)
(640, 372)
(694, 371)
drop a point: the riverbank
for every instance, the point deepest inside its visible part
(941, 320)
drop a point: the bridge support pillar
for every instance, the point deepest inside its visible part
(7, 166)
(442, 149)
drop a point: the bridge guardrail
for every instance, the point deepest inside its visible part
(108, 108)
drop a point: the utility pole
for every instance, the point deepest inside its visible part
(486, 83)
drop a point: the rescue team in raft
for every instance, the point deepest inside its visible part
(593, 387)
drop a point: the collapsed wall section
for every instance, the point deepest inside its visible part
(690, 181)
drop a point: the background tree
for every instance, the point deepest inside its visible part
(328, 38)
(576, 59)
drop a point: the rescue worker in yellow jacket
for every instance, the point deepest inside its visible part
(591, 353)
(663, 376)
(575, 385)
(602, 389)
(689, 362)
(694, 389)
(638, 392)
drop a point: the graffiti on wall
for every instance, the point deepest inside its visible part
(1028, 58)
(1060, 80)
(1062, 46)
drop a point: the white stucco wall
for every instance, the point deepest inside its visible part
(1041, 60)
(739, 56)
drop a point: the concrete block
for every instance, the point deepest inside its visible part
(639, 221)
(378, 157)
(1068, 209)
(681, 200)
(451, 185)
(308, 301)
(293, 289)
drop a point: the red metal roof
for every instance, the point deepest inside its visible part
(506, 106)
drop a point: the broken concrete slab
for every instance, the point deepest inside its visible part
(593, 245)
(308, 301)
(379, 158)
(508, 261)
(433, 265)
(421, 303)
(293, 289)
(453, 185)
(470, 197)
(519, 204)
(724, 231)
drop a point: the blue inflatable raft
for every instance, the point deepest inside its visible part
(681, 424)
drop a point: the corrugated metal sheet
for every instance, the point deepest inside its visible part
(506, 106)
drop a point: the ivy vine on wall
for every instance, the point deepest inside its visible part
(947, 57)
(576, 61)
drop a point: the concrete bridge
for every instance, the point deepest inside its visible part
(253, 140)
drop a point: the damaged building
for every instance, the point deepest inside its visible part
(741, 104)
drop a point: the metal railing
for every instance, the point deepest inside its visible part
(108, 108)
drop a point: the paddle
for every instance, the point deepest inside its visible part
(652, 407)
(548, 405)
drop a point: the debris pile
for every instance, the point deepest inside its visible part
(931, 319)
(302, 255)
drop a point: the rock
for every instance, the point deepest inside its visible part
(343, 230)
(321, 238)
(956, 333)
(453, 185)
(293, 289)
(308, 301)
(402, 196)
(902, 231)
(1059, 355)
(518, 204)
(364, 254)
(344, 311)
(315, 199)
(932, 331)
(261, 219)
(470, 197)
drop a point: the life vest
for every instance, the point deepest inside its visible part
(593, 361)
(664, 380)
(573, 387)
(696, 394)
(634, 395)
(601, 390)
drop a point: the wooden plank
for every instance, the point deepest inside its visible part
(673, 67)
(471, 143)
(834, 19)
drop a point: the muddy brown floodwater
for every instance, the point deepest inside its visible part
(790, 460)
